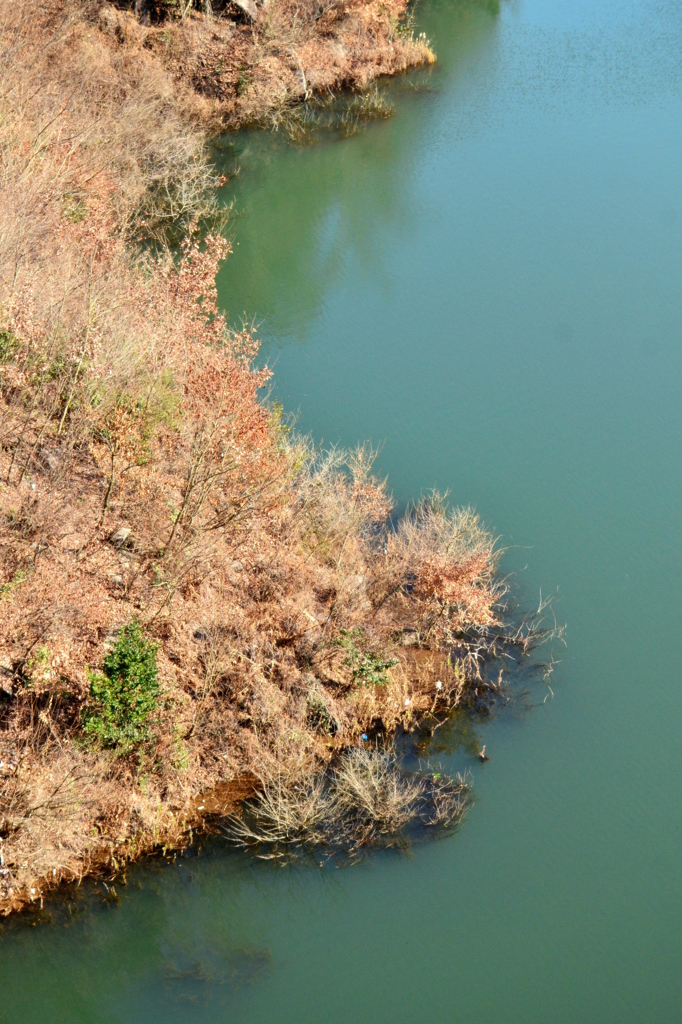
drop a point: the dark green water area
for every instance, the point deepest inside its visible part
(489, 285)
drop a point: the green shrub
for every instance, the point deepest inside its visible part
(367, 666)
(8, 344)
(73, 208)
(124, 696)
(319, 714)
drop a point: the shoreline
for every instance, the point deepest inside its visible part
(191, 595)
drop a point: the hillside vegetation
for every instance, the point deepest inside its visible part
(195, 604)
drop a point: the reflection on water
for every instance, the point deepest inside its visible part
(333, 192)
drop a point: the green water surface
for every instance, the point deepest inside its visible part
(490, 285)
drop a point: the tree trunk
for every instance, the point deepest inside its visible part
(143, 10)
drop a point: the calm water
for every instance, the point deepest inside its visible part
(490, 285)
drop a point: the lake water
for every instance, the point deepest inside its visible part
(490, 286)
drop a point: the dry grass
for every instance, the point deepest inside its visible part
(86, 124)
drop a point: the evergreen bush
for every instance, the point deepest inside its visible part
(124, 696)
